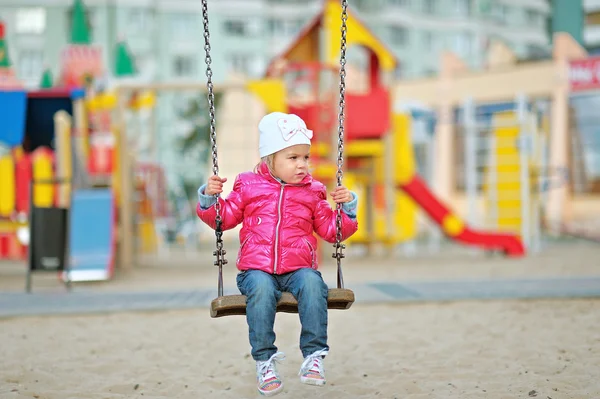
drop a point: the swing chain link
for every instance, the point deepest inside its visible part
(339, 247)
(220, 252)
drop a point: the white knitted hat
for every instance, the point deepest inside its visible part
(278, 131)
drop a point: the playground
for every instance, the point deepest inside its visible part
(471, 274)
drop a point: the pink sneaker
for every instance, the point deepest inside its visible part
(312, 371)
(267, 377)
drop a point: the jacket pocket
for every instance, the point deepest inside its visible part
(242, 245)
(313, 254)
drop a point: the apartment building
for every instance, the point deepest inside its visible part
(166, 36)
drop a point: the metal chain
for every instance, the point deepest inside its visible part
(211, 94)
(339, 247)
(220, 252)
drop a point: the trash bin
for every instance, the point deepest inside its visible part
(48, 235)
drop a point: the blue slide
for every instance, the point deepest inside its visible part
(92, 235)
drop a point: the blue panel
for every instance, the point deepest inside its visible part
(77, 93)
(12, 114)
(91, 232)
(429, 117)
(485, 111)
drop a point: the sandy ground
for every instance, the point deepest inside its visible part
(472, 349)
(458, 350)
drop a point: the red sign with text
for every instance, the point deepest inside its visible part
(584, 74)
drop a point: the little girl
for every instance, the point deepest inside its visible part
(281, 206)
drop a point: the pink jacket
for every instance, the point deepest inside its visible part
(278, 221)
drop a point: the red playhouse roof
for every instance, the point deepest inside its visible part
(308, 30)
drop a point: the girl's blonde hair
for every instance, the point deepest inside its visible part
(268, 159)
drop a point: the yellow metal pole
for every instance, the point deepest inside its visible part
(64, 157)
(81, 127)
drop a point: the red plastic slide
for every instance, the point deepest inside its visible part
(417, 189)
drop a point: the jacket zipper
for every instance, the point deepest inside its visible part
(276, 258)
(312, 254)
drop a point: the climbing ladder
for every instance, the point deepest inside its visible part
(503, 168)
(504, 183)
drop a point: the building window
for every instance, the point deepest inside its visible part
(284, 27)
(399, 35)
(258, 65)
(31, 20)
(500, 13)
(30, 65)
(236, 27)
(249, 65)
(184, 66)
(399, 3)
(145, 65)
(140, 20)
(429, 6)
(533, 18)
(463, 43)
(183, 26)
(275, 26)
(240, 63)
(427, 40)
(462, 7)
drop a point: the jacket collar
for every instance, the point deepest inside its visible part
(263, 170)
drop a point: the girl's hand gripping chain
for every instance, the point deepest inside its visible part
(214, 185)
(341, 195)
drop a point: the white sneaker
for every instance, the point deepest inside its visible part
(268, 380)
(312, 371)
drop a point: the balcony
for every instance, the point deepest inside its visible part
(591, 5)
(591, 35)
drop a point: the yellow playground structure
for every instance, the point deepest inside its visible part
(380, 166)
(380, 161)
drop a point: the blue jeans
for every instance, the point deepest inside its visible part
(263, 290)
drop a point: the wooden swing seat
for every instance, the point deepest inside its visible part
(235, 305)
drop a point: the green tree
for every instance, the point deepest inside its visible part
(47, 81)
(195, 145)
(124, 63)
(80, 26)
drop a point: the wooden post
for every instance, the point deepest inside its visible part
(559, 198)
(443, 176)
(64, 157)
(126, 225)
(81, 128)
